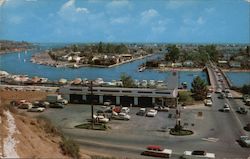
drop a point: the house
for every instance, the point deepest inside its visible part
(223, 63)
(177, 64)
(188, 63)
(235, 64)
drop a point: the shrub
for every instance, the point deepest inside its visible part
(70, 147)
(48, 126)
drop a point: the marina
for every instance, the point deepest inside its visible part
(20, 64)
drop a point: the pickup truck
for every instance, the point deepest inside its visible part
(244, 141)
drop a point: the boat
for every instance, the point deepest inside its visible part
(184, 85)
(142, 68)
(75, 66)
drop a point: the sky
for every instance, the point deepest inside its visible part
(168, 21)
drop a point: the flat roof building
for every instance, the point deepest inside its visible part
(144, 97)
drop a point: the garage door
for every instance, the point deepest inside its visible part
(95, 99)
(110, 98)
(75, 98)
(126, 100)
(145, 102)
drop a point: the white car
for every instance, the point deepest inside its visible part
(125, 110)
(26, 105)
(208, 102)
(226, 108)
(209, 95)
(121, 116)
(197, 154)
(151, 113)
(36, 109)
(229, 95)
(101, 119)
(218, 90)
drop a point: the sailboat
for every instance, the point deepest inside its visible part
(19, 56)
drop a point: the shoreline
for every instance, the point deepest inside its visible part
(14, 51)
(166, 69)
(45, 59)
(235, 70)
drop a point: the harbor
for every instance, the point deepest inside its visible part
(20, 64)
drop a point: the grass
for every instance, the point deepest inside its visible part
(182, 132)
(185, 97)
(89, 126)
(102, 157)
(69, 147)
(48, 127)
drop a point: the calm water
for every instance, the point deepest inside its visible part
(239, 78)
(20, 64)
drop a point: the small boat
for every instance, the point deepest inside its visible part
(142, 68)
(75, 66)
(184, 85)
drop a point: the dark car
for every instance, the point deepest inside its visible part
(247, 127)
(141, 112)
(56, 105)
(242, 110)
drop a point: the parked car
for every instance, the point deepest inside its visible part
(141, 112)
(18, 102)
(43, 104)
(208, 102)
(121, 116)
(100, 119)
(107, 103)
(36, 109)
(151, 113)
(125, 110)
(25, 105)
(242, 110)
(244, 141)
(209, 95)
(161, 108)
(56, 105)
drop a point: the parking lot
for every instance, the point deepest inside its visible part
(129, 138)
(73, 115)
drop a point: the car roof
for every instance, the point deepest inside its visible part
(154, 147)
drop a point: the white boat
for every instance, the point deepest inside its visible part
(141, 69)
(75, 66)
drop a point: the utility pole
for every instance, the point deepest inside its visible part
(92, 107)
(2, 136)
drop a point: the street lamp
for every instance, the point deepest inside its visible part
(91, 102)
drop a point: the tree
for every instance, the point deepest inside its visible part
(199, 88)
(127, 81)
(246, 89)
(100, 47)
(173, 53)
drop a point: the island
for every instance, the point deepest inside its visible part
(95, 55)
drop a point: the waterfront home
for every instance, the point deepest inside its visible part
(161, 65)
(235, 64)
(177, 64)
(126, 57)
(188, 63)
(223, 63)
